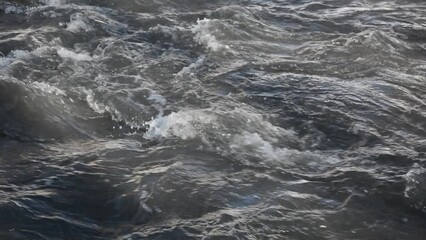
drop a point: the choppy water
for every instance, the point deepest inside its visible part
(220, 119)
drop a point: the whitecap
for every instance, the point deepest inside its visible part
(184, 124)
(78, 23)
(189, 70)
(93, 104)
(45, 87)
(412, 180)
(157, 98)
(415, 187)
(54, 3)
(249, 144)
(204, 35)
(67, 54)
(13, 56)
(13, 9)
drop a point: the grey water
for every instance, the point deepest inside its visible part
(220, 119)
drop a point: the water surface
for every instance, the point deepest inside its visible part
(221, 119)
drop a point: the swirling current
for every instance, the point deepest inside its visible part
(219, 119)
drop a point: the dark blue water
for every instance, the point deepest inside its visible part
(222, 119)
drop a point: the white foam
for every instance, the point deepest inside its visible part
(255, 143)
(237, 131)
(174, 32)
(13, 9)
(190, 69)
(93, 104)
(215, 123)
(67, 54)
(40, 51)
(155, 97)
(204, 36)
(20, 54)
(78, 23)
(23, 55)
(5, 61)
(185, 125)
(54, 3)
(13, 56)
(412, 182)
(252, 144)
(45, 87)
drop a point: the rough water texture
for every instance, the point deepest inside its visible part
(220, 119)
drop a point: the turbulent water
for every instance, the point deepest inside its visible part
(219, 119)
